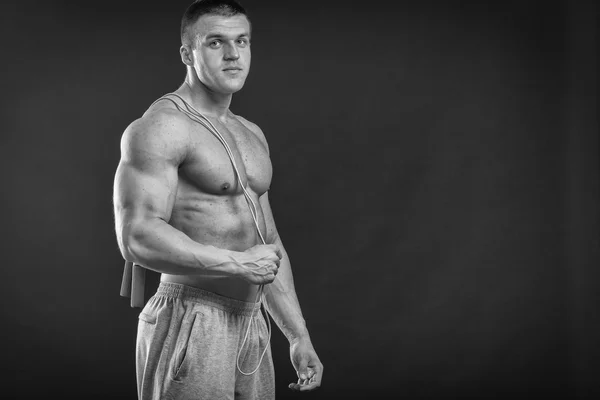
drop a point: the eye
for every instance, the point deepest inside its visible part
(215, 44)
(243, 42)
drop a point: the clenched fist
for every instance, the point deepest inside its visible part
(259, 264)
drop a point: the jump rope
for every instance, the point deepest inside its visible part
(196, 116)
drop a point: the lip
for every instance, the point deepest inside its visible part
(232, 69)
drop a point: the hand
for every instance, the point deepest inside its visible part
(307, 365)
(259, 264)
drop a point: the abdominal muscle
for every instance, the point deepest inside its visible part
(224, 222)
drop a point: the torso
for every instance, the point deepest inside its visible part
(210, 206)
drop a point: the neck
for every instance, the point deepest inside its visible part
(203, 99)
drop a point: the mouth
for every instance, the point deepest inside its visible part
(233, 69)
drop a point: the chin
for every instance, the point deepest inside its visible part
(232, 88)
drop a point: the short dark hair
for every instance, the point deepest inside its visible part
(225, 8)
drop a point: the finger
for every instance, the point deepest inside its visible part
(303, 369)
(315, 375)
(313, 382)
(309, 387)
(297, 385)
(304, 387)
(276, 258)
(269, 278)
(318, 373)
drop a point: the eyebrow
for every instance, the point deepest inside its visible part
(220, 36)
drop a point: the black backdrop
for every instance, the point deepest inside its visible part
(436, 187)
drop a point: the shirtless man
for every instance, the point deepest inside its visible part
(180, 211)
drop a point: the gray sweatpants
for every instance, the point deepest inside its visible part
(187, 344)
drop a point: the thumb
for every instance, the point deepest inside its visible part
(303, 368)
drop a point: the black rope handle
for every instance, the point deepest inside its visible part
(134, 283)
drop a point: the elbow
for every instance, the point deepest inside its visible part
(131, 242)
(127, 250)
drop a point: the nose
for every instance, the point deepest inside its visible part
(231, 52)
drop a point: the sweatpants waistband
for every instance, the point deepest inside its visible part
(189, 293)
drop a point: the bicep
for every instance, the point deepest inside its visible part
(146, 178)
(144, 192)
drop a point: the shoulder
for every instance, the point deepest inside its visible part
(159, 123)
(254, 128)
(161, 131)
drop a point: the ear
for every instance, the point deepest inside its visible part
(186, 55)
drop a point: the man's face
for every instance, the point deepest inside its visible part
(222, 51)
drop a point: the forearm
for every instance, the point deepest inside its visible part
(158, 246)
(282, 302)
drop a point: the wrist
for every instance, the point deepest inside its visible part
(235, 261)
(223, 261)
(299, 338)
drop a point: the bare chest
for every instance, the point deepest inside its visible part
(209, 167)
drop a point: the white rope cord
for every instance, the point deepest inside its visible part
(196, 116)
(229, 152)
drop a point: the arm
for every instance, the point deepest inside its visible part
(282, 302)
(145, 186)
(280, 295)
(283, 305)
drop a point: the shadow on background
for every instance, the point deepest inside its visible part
(435, 184)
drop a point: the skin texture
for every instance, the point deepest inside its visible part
(179, 209)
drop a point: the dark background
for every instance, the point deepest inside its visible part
(436, 186)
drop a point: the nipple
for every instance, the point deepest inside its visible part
(225, 186)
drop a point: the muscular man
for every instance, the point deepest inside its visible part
(180, 211)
